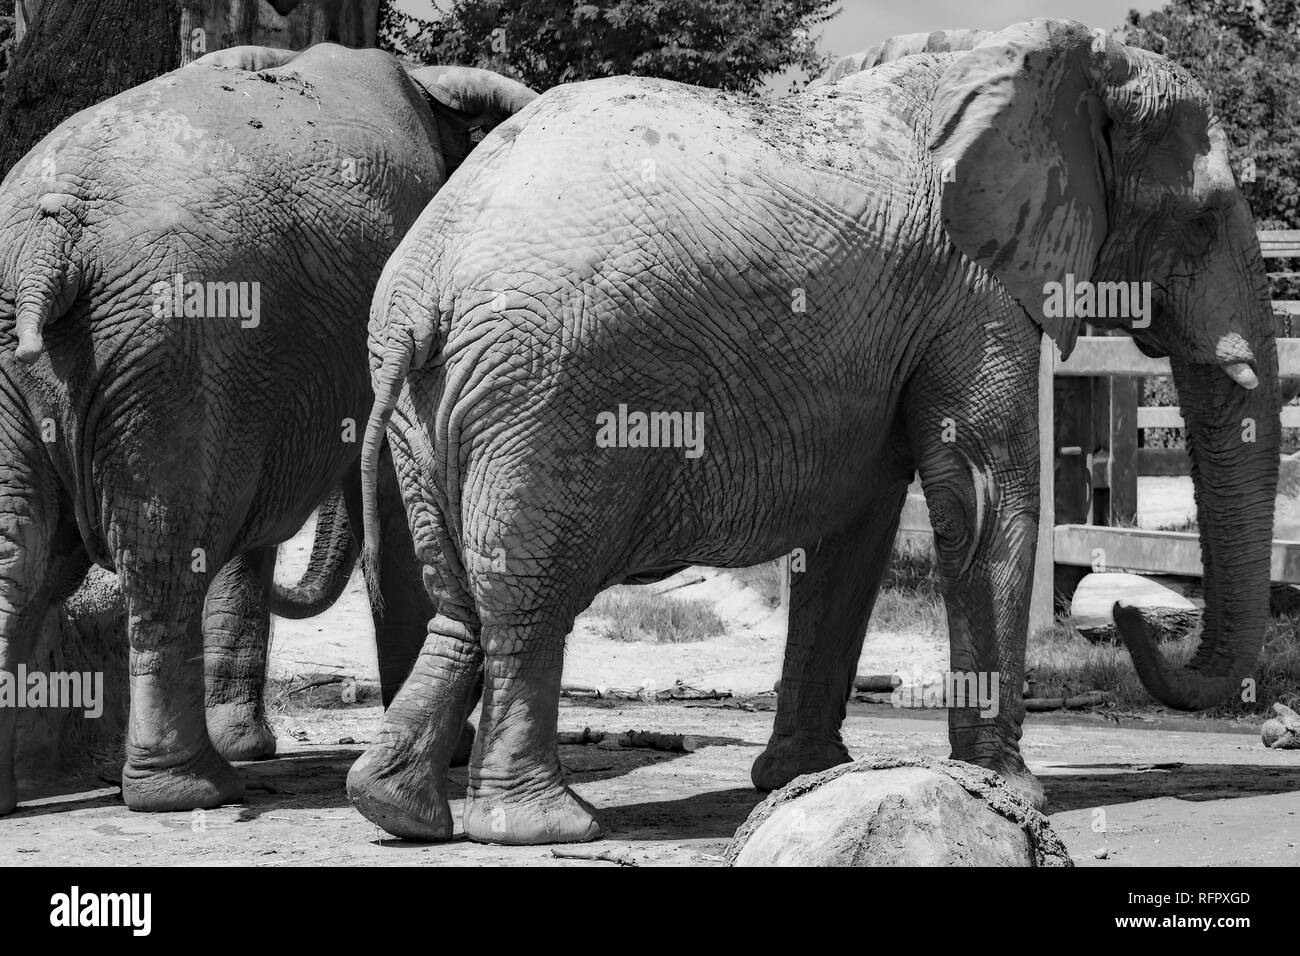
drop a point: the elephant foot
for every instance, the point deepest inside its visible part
(788, 757)
(557, 815)
(407, 804)
(464, 746)
(1017, 776)
(1029, 787)
(240, 732)
(202, 783)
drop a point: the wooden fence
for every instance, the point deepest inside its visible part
(1090, 459)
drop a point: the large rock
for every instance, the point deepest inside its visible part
(896, 811)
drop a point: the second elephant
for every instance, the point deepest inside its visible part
(187, 269)
(650, 326)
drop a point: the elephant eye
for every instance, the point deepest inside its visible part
(1200, 232)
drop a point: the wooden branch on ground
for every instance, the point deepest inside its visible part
(598, 856)
(332, 679)
(867, 684)
(1090, 699)
(634, 739)
(699, 578)
(678, 691)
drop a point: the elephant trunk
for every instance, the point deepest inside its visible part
(333, 553)
(1233, 439)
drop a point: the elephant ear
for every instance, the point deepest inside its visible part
(468, 104)
(1020, 136)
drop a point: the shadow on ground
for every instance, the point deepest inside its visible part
(1129, 783)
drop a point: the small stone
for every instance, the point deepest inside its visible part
(1101, 853)
(346, 740)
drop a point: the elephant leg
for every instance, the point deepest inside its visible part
(400, 782)
(171, 763)
(405, 608)
(976, 443)
(41, 562)
(517, 793)
(830, 605)
(236, 639)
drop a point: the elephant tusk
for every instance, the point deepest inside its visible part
(1242, 374)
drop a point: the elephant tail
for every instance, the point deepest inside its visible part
(388, 382)
(48, 276)
(333, 554)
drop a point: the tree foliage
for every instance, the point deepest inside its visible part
(1247, 56)
(725, 44)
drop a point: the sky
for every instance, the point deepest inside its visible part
(862, 23)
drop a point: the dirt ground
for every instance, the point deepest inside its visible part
(1148, 791)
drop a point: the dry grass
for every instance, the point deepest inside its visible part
(908, 599)
(763, 579)
(638, 614)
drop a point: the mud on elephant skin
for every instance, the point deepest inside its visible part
(186, 272)
(842, 288)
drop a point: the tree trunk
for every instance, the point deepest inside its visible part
(72, 54)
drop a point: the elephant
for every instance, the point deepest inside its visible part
(897, 47)
(650, 326)
(187, 268)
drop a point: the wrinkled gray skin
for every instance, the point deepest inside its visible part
(844, 314)
(178, 451)
(895, 48)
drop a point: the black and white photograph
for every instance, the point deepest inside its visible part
(629, 434)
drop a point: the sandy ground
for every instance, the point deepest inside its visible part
(1147, 794)
(1147, 791)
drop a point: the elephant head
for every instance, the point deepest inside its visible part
(1071, 158)
(468, 104)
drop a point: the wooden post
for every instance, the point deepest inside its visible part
(1072, 427)
(1125, 393)
(783, 572)
(1042, 598)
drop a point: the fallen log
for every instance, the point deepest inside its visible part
(697, 579)
(1165, 604)
(678, 691)
(867, 683)
(631, 739)
(1090, 699)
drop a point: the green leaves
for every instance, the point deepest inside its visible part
(1247, 57)
(725, 44)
